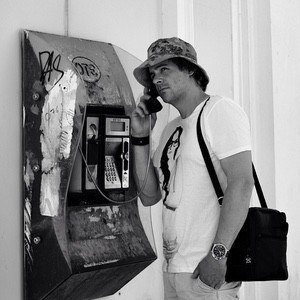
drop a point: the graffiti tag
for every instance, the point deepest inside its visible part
(49, 64)
(87, 69)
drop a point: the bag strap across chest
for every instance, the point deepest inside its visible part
(212, 172)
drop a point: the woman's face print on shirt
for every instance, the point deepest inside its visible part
(168, 159)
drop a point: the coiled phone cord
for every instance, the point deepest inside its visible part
(145, 177)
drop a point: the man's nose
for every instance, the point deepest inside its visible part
(157, 80)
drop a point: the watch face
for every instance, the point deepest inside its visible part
(219, 251)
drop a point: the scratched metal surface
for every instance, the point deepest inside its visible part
(60, 76)
(114, 231)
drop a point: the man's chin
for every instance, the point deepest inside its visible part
(165, 96)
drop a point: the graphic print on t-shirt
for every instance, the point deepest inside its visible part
(170, 153)
(168, 161)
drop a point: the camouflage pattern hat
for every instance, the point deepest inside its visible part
(162, 50)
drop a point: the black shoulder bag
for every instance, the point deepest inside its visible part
(259, 251)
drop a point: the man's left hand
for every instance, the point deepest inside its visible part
(210, 271)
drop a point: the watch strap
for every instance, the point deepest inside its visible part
(140, 141)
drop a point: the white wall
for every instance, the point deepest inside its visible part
(286, 87)
(213, 41)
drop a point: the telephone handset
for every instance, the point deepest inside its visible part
(153, 105)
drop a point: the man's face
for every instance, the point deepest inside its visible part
(171, 83)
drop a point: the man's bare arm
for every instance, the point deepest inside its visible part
(238, 169)
(150, 193)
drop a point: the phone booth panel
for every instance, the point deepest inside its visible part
(84, 236)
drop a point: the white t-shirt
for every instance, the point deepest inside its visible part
(191, 211)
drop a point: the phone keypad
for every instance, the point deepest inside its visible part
(112, 179)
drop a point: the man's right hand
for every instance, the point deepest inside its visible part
(140, 127)
(140, 121)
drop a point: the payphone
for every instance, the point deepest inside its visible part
(102, 169)
(83, 235)
(106, 146)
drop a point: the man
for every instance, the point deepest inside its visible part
(197, 231)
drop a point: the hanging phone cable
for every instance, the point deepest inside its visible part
(144, 181)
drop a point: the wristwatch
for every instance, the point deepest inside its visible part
(219, 251)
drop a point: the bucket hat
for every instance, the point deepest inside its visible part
(164, 49)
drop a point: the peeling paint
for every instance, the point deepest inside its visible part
(57, 128)
(27, 230)
(104, 233)
(27, 218)
(110, 210)
(50, 184)
(69, 87)
(35, 109)
(94, 219)
(28, 174)
(111, 226)
(28, 179)
(110, 237)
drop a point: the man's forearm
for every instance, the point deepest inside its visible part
(149, 189)
(234, 211)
